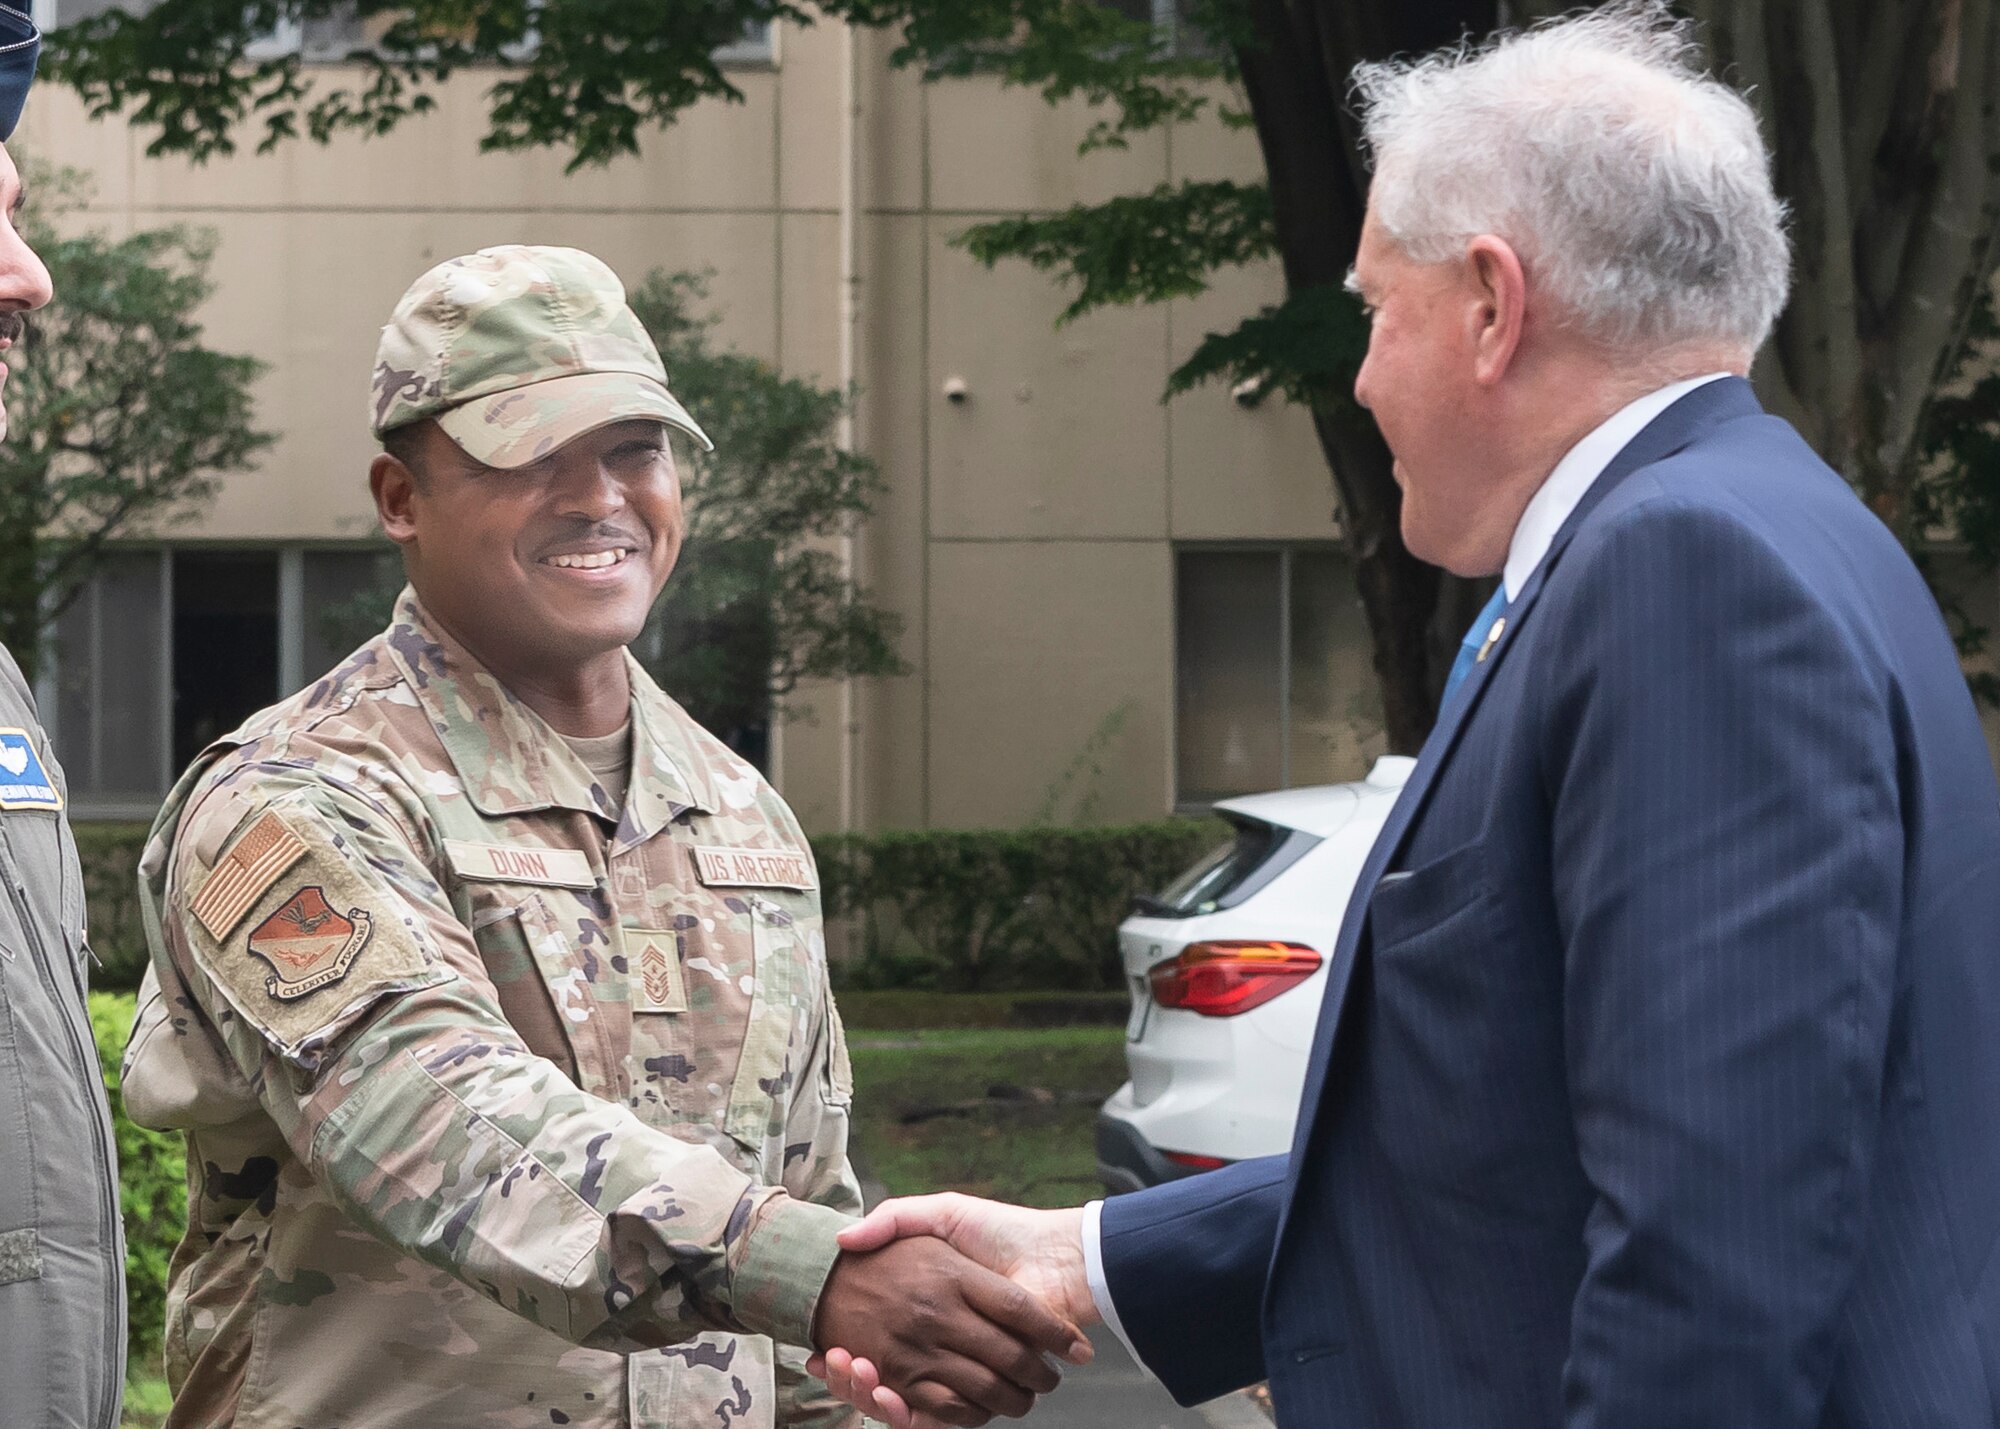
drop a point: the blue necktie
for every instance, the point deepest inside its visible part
(1468, 648)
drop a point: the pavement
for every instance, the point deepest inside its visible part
(1112, 1392)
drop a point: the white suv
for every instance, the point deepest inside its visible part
(1227, 967)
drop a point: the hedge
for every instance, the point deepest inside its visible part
(152, 1189)
(996, 908)
(953, 911)
(907, 1009)
(110, 856)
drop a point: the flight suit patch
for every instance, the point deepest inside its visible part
(308, 944)
(24, 783)
(655, 960)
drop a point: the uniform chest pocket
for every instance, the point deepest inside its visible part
(44, 906)
(768, 1069)
(553, 985)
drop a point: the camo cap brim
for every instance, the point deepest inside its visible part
(517, 351)
(512, 429)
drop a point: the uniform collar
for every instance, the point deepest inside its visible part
(508, 757)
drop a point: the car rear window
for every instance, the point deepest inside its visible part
(1230, 872)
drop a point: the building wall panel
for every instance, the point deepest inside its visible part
(1061, 434)
(1047, 658)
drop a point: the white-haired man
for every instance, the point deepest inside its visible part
(1656, 1078)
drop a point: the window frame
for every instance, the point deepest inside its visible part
(1286, 551)
(292, 674)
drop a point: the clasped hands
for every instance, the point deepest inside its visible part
(947, 1310)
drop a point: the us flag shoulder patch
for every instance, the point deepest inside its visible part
(242, 875)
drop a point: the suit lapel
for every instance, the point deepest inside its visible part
(1672, 430)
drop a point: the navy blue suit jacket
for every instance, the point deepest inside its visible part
(1658, 1077)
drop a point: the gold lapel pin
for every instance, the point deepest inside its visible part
(1492, 639)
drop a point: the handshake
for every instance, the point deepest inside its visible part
(948, 1310)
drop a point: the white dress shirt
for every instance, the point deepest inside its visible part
(1546, 512)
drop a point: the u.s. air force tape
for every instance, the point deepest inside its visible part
(754, 868)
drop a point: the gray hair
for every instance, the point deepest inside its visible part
(1635, 187)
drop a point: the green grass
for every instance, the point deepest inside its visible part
(146, 1403)
(1035, 1152)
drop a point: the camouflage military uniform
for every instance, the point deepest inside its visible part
(503, 1108)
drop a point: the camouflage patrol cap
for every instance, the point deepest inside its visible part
(517, 351)
(20, 45)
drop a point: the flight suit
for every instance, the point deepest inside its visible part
(62, 1249)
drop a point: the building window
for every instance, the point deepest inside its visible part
(759, 46)
(1274, 685)
(164, 650)
(1173, 20)
(326, 39)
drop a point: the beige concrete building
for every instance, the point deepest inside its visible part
(1111, 604)
(1114, 606)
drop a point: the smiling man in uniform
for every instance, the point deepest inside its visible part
(491, 991)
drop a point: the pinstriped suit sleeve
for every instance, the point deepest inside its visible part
(1727, 852)
(1186, 1265)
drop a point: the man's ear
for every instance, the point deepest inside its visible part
(395, 489)
(1500, 306)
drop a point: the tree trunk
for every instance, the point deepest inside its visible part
(20, 603)
(1886, 145)
(1295, 76)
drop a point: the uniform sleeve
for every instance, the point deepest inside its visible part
(308, 925)
(817, 1169)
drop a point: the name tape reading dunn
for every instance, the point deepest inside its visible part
(505, 863)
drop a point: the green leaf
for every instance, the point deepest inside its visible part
(592, 75)
(1308, 348)
(1141, 248)
(759, 602)
(120, 417)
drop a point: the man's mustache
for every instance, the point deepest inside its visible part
(13, 326)
(604, 532)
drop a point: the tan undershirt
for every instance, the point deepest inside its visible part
(609, 759)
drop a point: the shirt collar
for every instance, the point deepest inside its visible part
(1577, 472)
(509, 759)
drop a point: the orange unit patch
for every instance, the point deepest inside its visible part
(308, 944)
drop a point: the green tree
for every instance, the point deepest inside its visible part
(1958, 490)
(119, 418)
(759, 600)
(1887, 144)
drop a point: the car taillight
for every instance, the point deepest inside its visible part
(1224, 978)
(1194, 1161)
